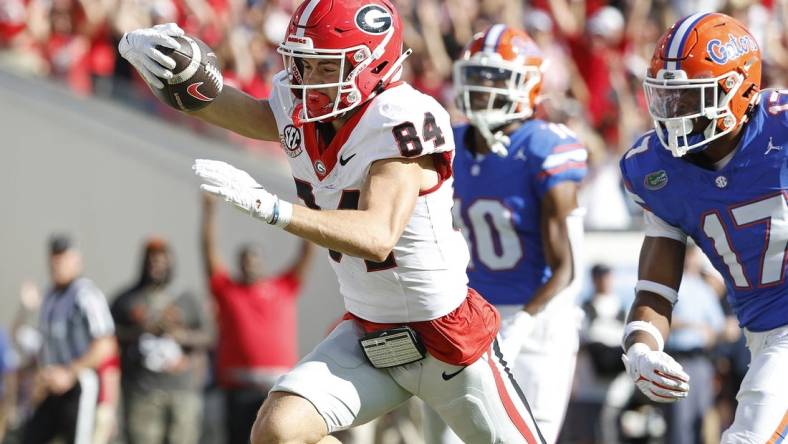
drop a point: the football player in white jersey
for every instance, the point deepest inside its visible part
(371, 158)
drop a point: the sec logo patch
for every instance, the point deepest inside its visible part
(291, 141)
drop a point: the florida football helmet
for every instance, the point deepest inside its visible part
(364, 36)
(497, 79)
(703, 78)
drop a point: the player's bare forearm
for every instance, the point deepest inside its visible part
(353, 232)
(651, 308)
(241, 113)
(385, 206)
(661, 261)
(558, 204)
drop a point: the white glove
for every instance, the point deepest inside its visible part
(139, 48)
(514, 331)
(239, 188)
(656, 374)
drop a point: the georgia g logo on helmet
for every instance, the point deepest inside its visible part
(373, 19)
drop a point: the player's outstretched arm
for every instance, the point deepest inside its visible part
(655, 373)
(385, 206)
(231, 109)
(369, 232)
(240, 113)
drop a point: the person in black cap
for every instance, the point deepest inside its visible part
(78, 336)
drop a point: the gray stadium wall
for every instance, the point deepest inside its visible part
(112, 176)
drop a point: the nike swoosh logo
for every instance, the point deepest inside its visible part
(194, 92)
(344, 161)
(447, 376)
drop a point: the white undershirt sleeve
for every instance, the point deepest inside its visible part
(656, 227)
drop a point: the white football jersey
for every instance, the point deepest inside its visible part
(424, 277)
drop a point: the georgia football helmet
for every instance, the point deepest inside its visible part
(702, 80)
(364, 36)
(497, 80)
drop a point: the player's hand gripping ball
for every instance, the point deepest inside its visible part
(181, 70)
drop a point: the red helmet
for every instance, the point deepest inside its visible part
(364, 36)
(707, 66)
(498, 77)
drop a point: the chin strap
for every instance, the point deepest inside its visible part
(498, 142)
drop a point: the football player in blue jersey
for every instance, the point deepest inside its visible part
(516, 181)
(713, 169)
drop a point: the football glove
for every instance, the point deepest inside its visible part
(139, 48)
(240, 189)
(514, 330)
(656, 374)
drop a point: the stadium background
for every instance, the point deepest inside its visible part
(87, 150)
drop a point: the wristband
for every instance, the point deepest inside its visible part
(644, 326)
(281, 214)
(655, 287)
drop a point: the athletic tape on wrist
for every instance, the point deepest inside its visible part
(282, 213)
(666, 292)
(643, 326)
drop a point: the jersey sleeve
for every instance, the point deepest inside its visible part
(95, 310)
(628, 165)
(564, 160)
(656, 227)
(404, 123)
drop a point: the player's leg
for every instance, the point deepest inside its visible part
(481, 402)
(332, 388)
(435, 429)
(545, 368)
(762, 413)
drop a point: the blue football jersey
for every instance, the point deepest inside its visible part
(737, 215)
(498, 206)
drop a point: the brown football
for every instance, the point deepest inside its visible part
(197, 79)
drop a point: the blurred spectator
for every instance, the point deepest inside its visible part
(77, 332)
(698, 320)
(162, 342)
(8, 362)
(598, 364)
(109, 395)
(26, 340)
(256, 325)
(596, 49)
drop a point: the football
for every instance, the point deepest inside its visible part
(197, 79)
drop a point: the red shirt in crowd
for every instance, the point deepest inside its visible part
(257, 324)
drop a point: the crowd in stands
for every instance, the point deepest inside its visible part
(597, 53)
